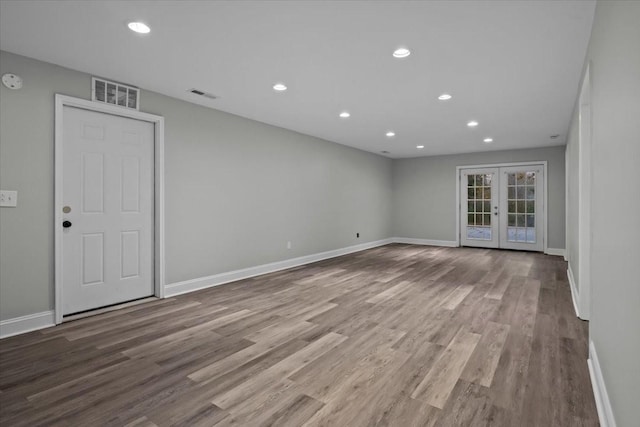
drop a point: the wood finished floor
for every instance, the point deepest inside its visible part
(398, 335)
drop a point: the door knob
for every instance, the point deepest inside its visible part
(66, 224)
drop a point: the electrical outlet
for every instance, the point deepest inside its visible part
(289, 244)
(8, 199)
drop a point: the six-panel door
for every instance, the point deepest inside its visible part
(108, 212)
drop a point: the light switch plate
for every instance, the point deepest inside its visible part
(8, 199)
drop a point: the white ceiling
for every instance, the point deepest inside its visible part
(513, 66)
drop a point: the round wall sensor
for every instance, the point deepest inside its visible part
(12, 81)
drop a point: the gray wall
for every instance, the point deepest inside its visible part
(236, 190)
(424, 192)
(614, 327)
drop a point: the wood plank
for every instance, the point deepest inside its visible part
(470, 405)
(483, 362)
(296, 413)
(344, 403)
(283, 334)
(437, 385)
(456, 297)
(141, 422)
(298, 360)
(526, 310)
(510, 378)
(389, 293)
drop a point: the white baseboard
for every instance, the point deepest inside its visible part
(410, 241)
(574, 290)
(605, 412)
(24, 324)
(556, 252)
(186, 286)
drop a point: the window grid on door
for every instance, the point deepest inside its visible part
(521, 208)
(479, 206)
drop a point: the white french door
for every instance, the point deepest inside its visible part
(479, 206)
(108, 210)
(521, 207)
(502, 207)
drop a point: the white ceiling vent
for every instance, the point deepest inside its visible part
(115, 93)
(202, 93)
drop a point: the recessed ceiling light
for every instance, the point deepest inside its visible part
(280, 87)
(420, 146)
(401, 52)
(345, 115)
(391, 134)
(139, 27)
(445, 97)
(488, 140)
(472, 124)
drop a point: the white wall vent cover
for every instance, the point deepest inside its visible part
(115, 93)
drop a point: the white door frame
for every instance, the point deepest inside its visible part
(62, 101)
(584, 198)
(500, 165)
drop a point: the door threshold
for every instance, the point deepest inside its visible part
(103, 310)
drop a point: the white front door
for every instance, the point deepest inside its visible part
(107, 195)
(502, 207)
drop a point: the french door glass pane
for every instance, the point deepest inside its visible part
(479, 206)
(530, 221)
(521, 209)
(531, 206)
(531, 192)
(531, 178)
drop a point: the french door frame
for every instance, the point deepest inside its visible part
(62, 101)
(459, 170)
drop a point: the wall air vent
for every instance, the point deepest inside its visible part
(115, 93)
(202, 93)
